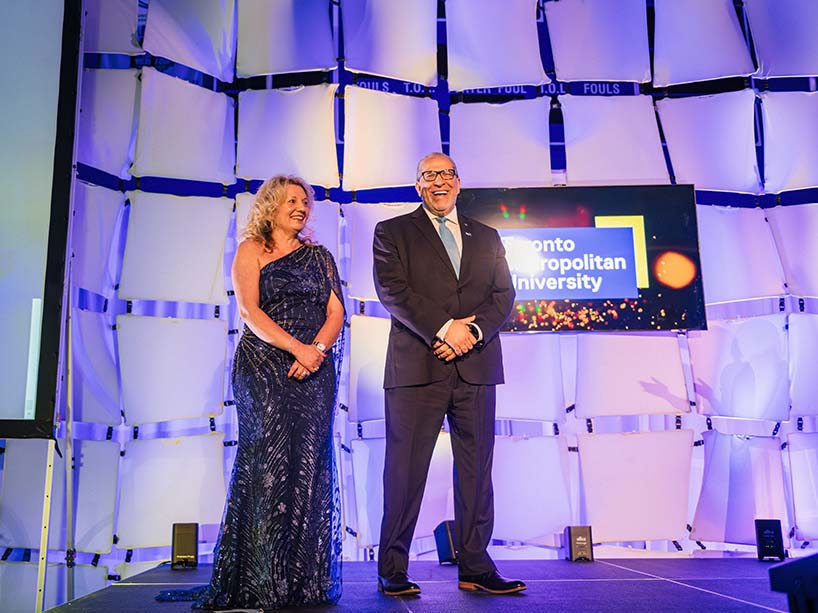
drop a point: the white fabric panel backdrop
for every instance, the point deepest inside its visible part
(803, 350)
(740, 368)
(790, 160)
(784, 36)
(272, 37)
(21, 497)
(95, 385)
(711, 140)
(18, 584)
(324, 227)
(803, 452)
(288, 131)
(198, 34)
(184, 131)
(795, 228)
(159, 239)
(649, 381)
(107, 120)
(367, 357)
(392, 39)
(599, 40)
(438, 502)
(361, 220)
(743, 480)
(697, 40)
(110, 27)
(533, 373)
(376, 122)
(492, 44)
(167, 481)
(531, 489)
(568, 351)
(367, 468)
(502, 145)
(635, 484)
(612, 140)
(738, 255)
(96, 474)
(171, 368)
(244, 201)
(95, 227)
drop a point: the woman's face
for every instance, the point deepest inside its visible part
(292, 215)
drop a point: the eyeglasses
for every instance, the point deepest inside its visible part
(447, 174)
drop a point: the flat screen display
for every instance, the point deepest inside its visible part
(39, 51)
(597, 258)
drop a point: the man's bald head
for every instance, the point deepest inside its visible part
(431, 156)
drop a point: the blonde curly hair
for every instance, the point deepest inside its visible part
(271, 194)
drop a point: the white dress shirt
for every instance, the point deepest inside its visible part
(451, 223)
(454, 226)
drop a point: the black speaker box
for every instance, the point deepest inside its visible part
(578, 544)
(769, 542)
(185, 550)
(446, 543)
(799, 580)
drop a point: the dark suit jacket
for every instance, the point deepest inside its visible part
(416, 283)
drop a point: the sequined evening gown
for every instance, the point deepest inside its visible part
(280, 540)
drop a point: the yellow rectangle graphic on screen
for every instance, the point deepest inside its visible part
(637, 222)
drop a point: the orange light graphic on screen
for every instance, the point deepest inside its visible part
(674, 269)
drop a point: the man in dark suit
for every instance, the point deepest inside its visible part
(445, 281)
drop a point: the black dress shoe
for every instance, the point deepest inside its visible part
(397, 584)
(491, 582)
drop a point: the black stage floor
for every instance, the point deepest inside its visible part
(658, 584)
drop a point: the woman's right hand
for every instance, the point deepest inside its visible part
(309, 356)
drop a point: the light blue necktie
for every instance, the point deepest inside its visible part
(450, 244)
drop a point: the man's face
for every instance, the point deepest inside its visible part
(439, 195)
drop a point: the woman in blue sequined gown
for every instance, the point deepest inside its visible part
(280, 540)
